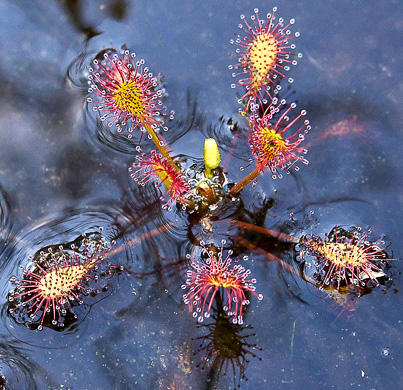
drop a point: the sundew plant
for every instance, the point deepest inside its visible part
(129, 97)
(195, 222)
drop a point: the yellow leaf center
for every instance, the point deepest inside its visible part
(60, 282)
(221, 280)
(273, 142)
(341, 254)
(262, 55)
(129, 98)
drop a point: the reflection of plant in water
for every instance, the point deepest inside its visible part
(346, 299)
(56, 279)
(225, 347)
(213, 274)
(345, 258)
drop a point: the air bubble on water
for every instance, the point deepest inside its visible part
(385, 352)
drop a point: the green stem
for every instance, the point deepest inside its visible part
(207, 172)
(245, 181)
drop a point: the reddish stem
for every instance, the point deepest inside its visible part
(245, 181)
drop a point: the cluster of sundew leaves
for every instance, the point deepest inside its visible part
(264, 55)
(128, 92)
(56, 280)
(346, 258)
(129, 97)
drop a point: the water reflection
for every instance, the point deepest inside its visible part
(5, 223)
(355, 135)
(135, 333)
(152, 326)
(225, 350)
(74, 10)
(18, 371)
(76, 14)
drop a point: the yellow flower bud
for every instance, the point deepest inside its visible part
(212, 158)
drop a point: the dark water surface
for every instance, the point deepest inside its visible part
(62, 175)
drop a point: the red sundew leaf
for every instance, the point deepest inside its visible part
(207, 277)
(276, 143)
(126, 92)
(264, 55)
